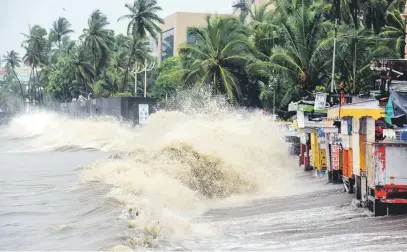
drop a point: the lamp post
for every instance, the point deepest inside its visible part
(147, 68)
(137, 69)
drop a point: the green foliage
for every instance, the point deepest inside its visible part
(270, 55)
(320, 89)
(222, 46)
(125, 94)
(143, 20)
(169, 78)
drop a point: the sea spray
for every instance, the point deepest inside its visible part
(194, 153)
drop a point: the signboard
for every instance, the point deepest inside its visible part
(335, 157)
(320, 101)
(293, 106)
(142, 113)
(380, 165)
(322, 142)
(370, 130)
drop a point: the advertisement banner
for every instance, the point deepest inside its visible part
(320, 101)
(335, 157)
(143, 113)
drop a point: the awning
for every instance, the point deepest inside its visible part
(357, 110)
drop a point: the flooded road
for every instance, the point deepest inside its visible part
(321, 221)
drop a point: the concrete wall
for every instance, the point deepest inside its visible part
(125, 108)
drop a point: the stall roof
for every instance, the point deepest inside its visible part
(369, 108)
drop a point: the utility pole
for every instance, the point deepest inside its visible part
(137, 69)
(147, 69)
(354, 66)
(333, 60)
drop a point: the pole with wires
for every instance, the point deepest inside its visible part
(354, 65)
(333, 60)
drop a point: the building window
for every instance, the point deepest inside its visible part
(167, 44)
(191, 36)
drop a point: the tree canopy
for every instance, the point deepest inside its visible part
(280, 51)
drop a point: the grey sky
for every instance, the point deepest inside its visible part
(16, 15)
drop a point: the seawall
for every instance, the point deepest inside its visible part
(133, 109)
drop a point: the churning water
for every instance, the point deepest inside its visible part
(206, 176)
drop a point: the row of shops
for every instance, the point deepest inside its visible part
(361, 143)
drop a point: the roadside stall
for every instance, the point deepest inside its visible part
(332, 150)
(313, 144)
(357, 127)
(387, 159)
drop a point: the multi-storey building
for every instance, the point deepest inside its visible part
(175, 30)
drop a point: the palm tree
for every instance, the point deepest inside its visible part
(13, 60)
(98, 40)
(60, 29)
(347, 11)
(221, 46)
(264, 31)
(143, 21)
(356, 49)
(36, 47)
(395, 29)
(284, 9)
(299, 53)
(82, 69)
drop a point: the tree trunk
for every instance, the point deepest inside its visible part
(128, 66)
(30, 88)
(34, 86)
(38, 87)
(215, 84)
(21, 86)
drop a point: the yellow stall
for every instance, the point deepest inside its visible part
(357, 128)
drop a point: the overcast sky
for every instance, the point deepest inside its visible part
(16, 15)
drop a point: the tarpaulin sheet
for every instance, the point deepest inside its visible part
(399, 102)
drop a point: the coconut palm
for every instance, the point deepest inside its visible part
(221, 46)
(356, 49)
(60, 29)
(36, 47)
(98, 40)
(264, 31)
(144, 21)
(80, 61)
(299, 53)
(395, 30)
(13, 61)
